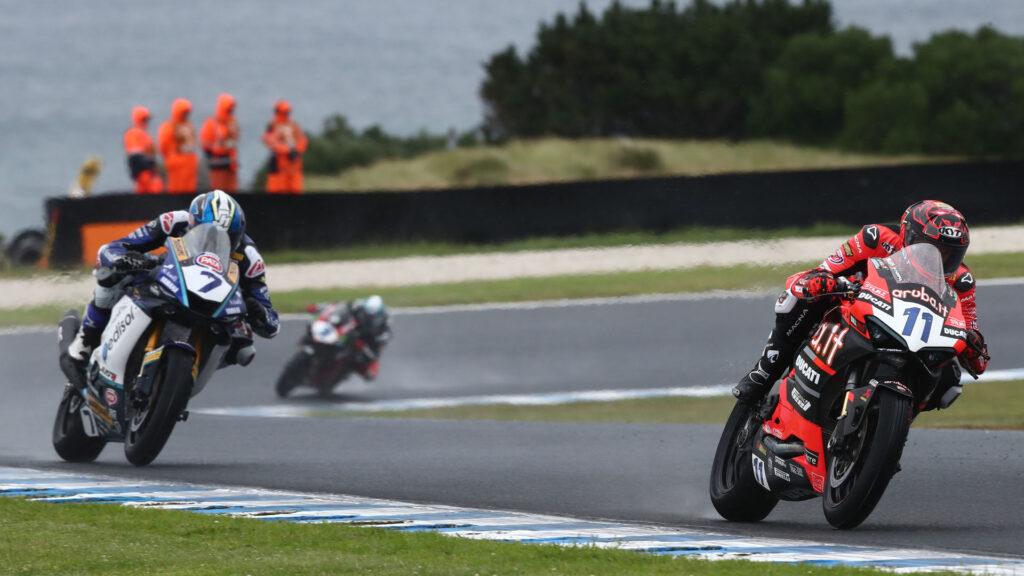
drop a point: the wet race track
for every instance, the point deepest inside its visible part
(959, 490)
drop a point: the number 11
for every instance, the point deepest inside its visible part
(912, 314)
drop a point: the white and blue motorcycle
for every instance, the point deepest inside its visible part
(173, 327)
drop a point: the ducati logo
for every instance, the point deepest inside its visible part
(772, 356)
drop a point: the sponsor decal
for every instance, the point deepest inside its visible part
(772, 355)
(954, 332)
(179, 249)
(899, 386)
(836, 258)
(950, 232)
(233, 310)
(211, 261)
(233, 272)
(120, 328)
(956, 322)
(167, 283)
(817, 482)
(889, 248)
(796, 469)
(99, 411)
(167, 222)
(797, 397)
(921, 295)
(779, 461)
(811, 456)
(847, 249)
(759, 472)
(110, 395)
(108, 374)
(875, 301)
(807, 370)
(256, 269)
(781, 474)
(880, 292)
(827, 341)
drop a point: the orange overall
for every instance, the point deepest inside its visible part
(141, 155)
(287, 143)
(219, 138)
(177, 140)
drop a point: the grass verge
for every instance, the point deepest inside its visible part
(996, 405)
(687, 235)
(42, 538)
(557, 160)
(698, 279)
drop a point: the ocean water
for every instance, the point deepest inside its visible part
(70, 71)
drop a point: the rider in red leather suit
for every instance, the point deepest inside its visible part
(798, 309)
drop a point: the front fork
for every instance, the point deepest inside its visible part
(857, 400)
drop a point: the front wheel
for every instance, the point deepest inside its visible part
(69, 437)
(294, 374)
(857, 479)
(735, 492)
(150, 425)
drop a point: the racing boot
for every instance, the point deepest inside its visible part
(775, 358)
(75, 359)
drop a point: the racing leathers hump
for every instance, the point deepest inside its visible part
(152, 235)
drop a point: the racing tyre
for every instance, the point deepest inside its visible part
(293, 375)
(734, 492)
(69, 437)
(150, 426)
(856, 482)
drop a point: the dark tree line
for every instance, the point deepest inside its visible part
(758, 68)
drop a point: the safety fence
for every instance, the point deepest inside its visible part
(987, 192)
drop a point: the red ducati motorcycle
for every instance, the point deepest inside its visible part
(836, 424)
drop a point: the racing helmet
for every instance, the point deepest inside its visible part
(372, 315)
(218, 207)
(940, 225)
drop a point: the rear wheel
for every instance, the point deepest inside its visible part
(294, 374)
(734, 492)
(69, 437)
(858, 478)
(150, 425)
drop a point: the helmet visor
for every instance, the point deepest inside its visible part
(952, 257)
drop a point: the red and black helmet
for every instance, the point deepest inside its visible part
(940, 225)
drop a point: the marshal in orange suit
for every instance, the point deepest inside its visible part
(287, 144)
(177, 139)
(141, 154)
(219, 138)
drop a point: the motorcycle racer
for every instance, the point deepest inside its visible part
(801, 306)
(373, 328)
(128, 255)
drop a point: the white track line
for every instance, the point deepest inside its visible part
(478, 524)
(312, 410)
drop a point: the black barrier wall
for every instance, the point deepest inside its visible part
(987, 193)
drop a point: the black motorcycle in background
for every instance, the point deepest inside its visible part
(343, 339)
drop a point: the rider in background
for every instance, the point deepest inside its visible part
(798, 310)
(372, 327)
(130, 254)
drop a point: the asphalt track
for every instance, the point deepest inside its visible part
(959, 490)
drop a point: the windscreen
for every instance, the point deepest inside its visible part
(919, 264)
(208, 238)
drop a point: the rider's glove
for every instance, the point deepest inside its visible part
(134, 262)
(258, 317)
(813, 284)
(975, 358)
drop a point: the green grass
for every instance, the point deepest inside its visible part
(78, 539)
(554, 160)
(996, 405)
(697, 279)
(687, 235)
